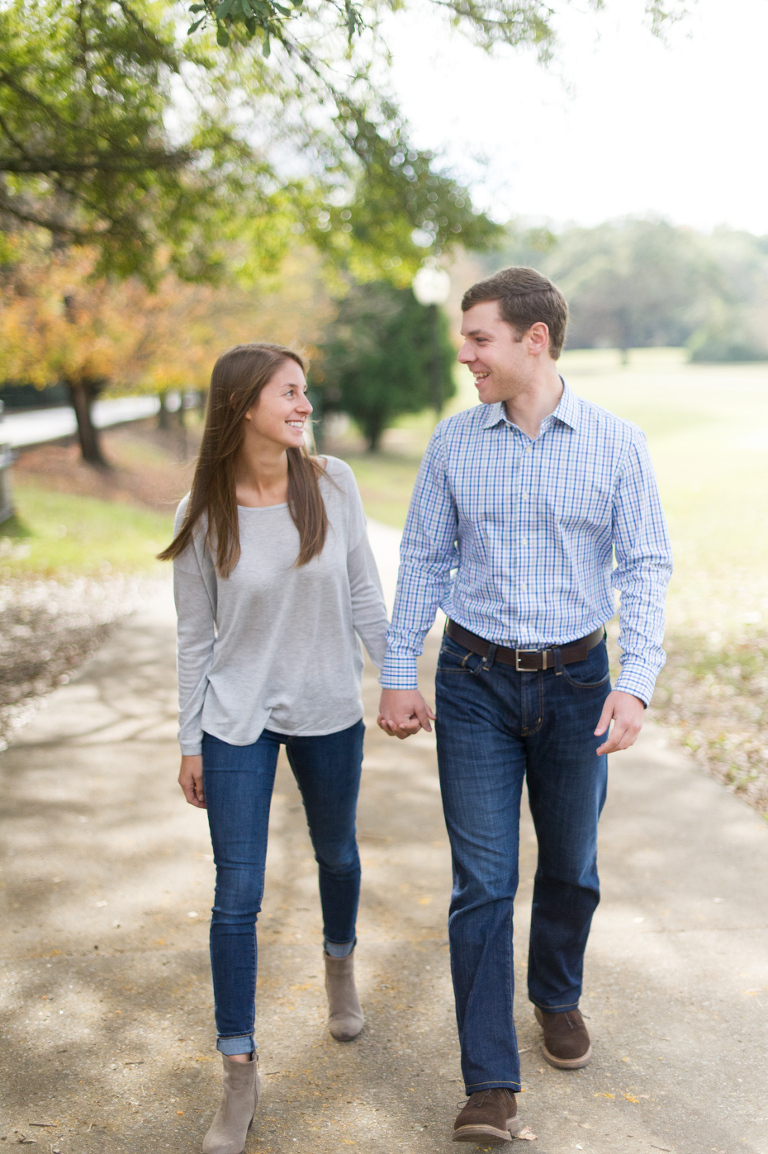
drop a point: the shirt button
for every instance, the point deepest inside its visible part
(524, 497)
(529, 449)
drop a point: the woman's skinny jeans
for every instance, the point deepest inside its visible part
(238, 782)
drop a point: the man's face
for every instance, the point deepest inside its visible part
(496, 354)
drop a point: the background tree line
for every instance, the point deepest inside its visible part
(640, 282)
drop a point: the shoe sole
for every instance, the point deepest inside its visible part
(566, 1063)
(483, 1133)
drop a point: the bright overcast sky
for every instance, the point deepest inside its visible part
(619, 123)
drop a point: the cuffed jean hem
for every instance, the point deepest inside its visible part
(339, 949)
(559, 1009)
(243, 1044)
(515, 1087)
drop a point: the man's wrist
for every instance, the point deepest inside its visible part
(398, 673)
(637, 681)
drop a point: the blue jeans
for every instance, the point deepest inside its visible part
(238, 782)
(495, 727)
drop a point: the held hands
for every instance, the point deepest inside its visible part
(191, 779)
(403, 712)
(626, 711)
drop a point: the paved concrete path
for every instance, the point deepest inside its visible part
(105, 992)
(38, 426)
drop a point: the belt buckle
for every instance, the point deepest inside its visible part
(518, 654)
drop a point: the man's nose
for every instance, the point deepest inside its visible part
(465, 354)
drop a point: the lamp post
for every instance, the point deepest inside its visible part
(6, 460)
(431, 287)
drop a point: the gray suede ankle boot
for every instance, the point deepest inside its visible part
(232, 1122)
(345, 1017)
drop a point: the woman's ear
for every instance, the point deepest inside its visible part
(233, 403)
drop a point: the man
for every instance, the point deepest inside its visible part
(520, 505)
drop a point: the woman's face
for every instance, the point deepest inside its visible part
(281, 411)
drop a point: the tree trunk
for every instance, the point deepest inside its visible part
(163, 415)
(374, 431)
(82, 394)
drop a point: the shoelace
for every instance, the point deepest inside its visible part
(478, 1103)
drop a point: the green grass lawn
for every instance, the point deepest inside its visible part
(59, 535)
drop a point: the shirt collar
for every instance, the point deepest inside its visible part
(566, 411)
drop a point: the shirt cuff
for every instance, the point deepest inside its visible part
(191, 748)
(637, 679)
(399, 672)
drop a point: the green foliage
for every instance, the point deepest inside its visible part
(85, 86)
(161, 151)
(716, 344)
(487, 22)
(379, 357)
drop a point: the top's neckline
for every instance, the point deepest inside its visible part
(263, 508)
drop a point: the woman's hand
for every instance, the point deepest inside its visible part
(191, 779)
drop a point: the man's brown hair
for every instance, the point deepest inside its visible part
(525, 297)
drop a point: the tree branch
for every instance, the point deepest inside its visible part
(106, 162)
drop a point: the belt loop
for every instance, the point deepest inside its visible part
(558, 660)
(489, 658)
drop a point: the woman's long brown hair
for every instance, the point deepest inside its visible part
(237, 379)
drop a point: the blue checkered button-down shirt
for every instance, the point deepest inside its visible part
(515, 539)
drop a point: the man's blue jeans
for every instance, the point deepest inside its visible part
(495, 727)
(238, 782)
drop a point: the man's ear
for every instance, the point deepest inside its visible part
(538, 338)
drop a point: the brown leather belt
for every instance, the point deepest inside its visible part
(525, 660)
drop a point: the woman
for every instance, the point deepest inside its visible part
(273, 578)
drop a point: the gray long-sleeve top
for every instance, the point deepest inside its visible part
(274, 646)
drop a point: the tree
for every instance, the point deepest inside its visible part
(376, 361)
(735, 327)
(61, 324)
(488, 22)
(160, 151)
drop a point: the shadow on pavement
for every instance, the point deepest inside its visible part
(105, 996)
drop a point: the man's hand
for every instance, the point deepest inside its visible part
(626, 712)
(403, 712)
(191, 779)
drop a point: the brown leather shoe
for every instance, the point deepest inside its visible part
(489, 1116)
(566, 1042)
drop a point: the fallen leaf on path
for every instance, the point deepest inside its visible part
(602, 1094)
(527, 1134)
(631, 1099)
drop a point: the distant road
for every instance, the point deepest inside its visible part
(36, 428)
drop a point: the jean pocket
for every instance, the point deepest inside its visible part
(593, 673)
(454, 658)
